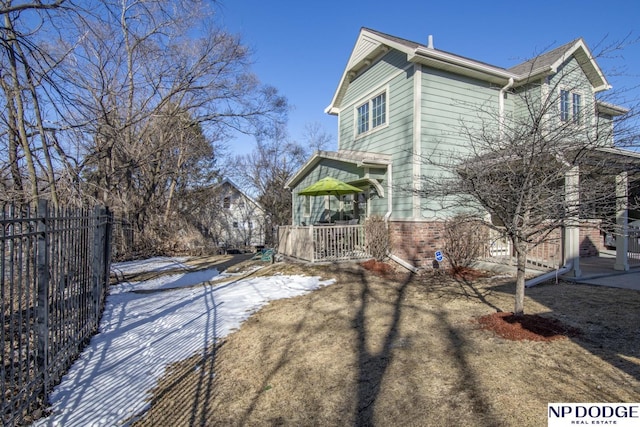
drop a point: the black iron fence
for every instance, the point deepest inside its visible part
(54, 274)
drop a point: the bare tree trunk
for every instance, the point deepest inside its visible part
(172, 187)
(17, 107)
(38, 117)
(521, 263)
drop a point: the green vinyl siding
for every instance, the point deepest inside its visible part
(527, 103)
(571, 78)
(450, 106)
(450, 102)
(392, 74)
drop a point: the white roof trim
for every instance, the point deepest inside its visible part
(611, 109)
(370, 46)
(358, 183)
(620, 152)
(358, 158)
(587, 53)
(461, 62)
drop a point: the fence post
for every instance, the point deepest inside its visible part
(42, 311)
(98, 265)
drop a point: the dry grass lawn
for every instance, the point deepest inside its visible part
(406, 350)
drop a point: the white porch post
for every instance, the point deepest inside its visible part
(622, 236)
(572, 231)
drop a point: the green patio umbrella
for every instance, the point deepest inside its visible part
(329, 187)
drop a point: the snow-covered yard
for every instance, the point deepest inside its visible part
(150, 324)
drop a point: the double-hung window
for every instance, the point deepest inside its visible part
(570, 106)
(577, 107)
(363, 118)
(379, 110)
(564, 105)
(372, 114)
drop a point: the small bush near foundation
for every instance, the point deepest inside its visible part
(464, 241)
(377, 237)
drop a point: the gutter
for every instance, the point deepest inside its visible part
(550, 275)
(459, 61)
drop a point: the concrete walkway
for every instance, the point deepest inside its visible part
(595, 271)
(599, 271)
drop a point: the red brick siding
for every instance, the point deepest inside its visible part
(591, 239)
(416, 242)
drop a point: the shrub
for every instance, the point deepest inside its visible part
(377, 237)
(465, 238)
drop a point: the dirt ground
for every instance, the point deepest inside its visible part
(401, 349)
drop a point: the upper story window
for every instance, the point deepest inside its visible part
(564, 105)
(226, 202)
(379, 108)
(577, 107)
(372, 113)
(363, 118)
(570, 106)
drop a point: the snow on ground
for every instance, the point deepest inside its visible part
(141, 333)
(156, 264)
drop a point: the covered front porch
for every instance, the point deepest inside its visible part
(323, 243)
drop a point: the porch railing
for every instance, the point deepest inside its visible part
(633, 253)
(323, 242)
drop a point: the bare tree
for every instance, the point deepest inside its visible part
(154, 104)
(28, 86)
(522, 168)
(124, 102)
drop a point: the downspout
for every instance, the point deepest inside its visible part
(501, 105)
(387, 216)
(389, 195)
(550, 275)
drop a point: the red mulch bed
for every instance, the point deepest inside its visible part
(379, 267)
(467, 273)
(530, 327)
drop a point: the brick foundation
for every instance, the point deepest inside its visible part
(417, 242)
(591, 238)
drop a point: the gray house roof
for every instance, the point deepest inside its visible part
(372, 45)
(544, 60)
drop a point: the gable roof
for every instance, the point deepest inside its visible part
(358, 158)
(372, 45)
(231, 184)
(549, 62)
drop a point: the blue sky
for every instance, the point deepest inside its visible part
(301, 47)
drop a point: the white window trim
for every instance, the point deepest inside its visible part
(368, 99)
(579, 120)
(306, 207)
(571, 118)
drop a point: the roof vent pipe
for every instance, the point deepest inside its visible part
(430, 44)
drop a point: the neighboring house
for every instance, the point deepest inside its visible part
(239, 221)
(397, 100)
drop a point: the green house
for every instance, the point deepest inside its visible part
(400, 100)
